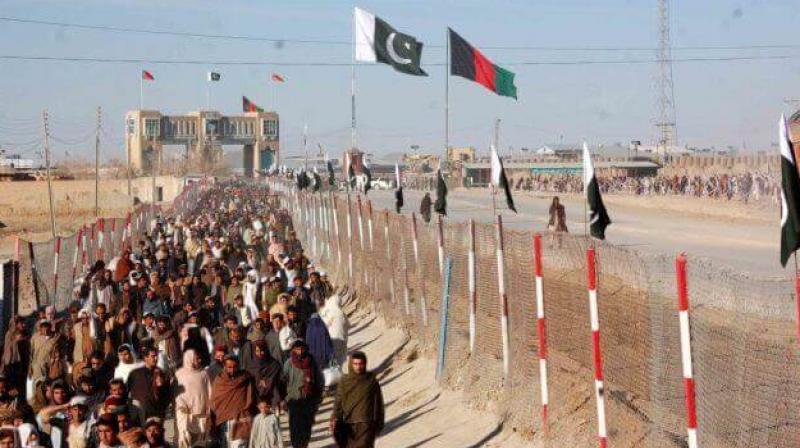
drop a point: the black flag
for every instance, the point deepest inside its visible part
(398, 194)
(377, 41)
(790, 195)
(598, 216)
(440, 205)
(300, 178)
(367, 176)
(499, 179)
(351, 175)
(317, 181)
(331, 175)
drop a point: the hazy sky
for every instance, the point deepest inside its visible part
(718, 103)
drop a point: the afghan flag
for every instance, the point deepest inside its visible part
(598, 216)
(466, 61)
(790, 195)
(249, 106)
(147, 76)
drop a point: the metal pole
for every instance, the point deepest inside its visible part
(447, 96)
(353, 87)
(97, 165)
(501, 289)
(47, 168)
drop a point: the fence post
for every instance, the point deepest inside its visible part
(101, 225)
(390, 268)
(473, 294)
(501, 289)
(112, 244)
(423, 304)
(350, 237)
(336, 229)
(686, 350)
(34, 275)
(360, 222)
(406, 291)
(56, 255)
(541, 330)
(78, 239)
(445, 307)
(599, 390)
(440, 242)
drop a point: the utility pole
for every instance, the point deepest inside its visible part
(47, 167)
(97, 165)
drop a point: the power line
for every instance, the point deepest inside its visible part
(205, 62)
(279, 40)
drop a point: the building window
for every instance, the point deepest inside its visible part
(131, 126)
(269, 128)
(193, 128)
(151, 127)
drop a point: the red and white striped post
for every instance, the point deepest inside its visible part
(360, 222)
(541, 329)
(406, 289)
(501, 289)
(84, 237)
(423, 303)
(686, 350)
(369, 224)
(113, 241)
(78, 239)
(350, 237)
(390, 273)
(440, 241)
(56, 256)
(599, 388)
(473, 294)
(336, 229)
(101, 230)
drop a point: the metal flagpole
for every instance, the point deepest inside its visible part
(97, 166)
(353, 87)
(447, 96)
(496, 142)
(47, 167)
(141, 90)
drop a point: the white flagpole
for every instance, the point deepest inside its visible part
(447, 96)
(141, 90)
(208, 93)
(353, 87)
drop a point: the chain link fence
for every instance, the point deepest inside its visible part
(743, 330)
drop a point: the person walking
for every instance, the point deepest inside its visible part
(358, 412)
(303, 393)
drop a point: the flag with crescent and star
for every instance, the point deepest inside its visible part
(377, 41)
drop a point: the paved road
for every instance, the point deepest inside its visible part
(744, 244)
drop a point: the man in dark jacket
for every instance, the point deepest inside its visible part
(145, 388)
(358, 412)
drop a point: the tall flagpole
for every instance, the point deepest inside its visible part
(447, 96)
(353, 87)
(141, 90)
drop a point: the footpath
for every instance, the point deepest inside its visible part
(419, 413)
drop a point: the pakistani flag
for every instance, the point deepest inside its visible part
(598, 216)
(790, 195)
(377, 41)
(367, 175)
(499, 179)
(214, 76)
(440, 205)
(398, 194)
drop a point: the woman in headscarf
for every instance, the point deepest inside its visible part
(338, 326)
(303, 393)
(319, 341)
(267, 373)
(192, 401)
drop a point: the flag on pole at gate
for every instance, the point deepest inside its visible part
(249, 106)
(440, 204)
(499, 179)
(466, 61)
(277, 77)
(790, 195)
(598, 216)
(147, 76)
(377, 41)
(214, 76)
(398, 194)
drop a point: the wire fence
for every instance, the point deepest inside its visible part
(49, 271)
(743, 334)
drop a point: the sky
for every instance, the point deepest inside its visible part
(718, 103)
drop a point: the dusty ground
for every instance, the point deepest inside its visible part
(24, 208)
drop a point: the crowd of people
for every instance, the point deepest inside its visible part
(215, 321)
(744, 187)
